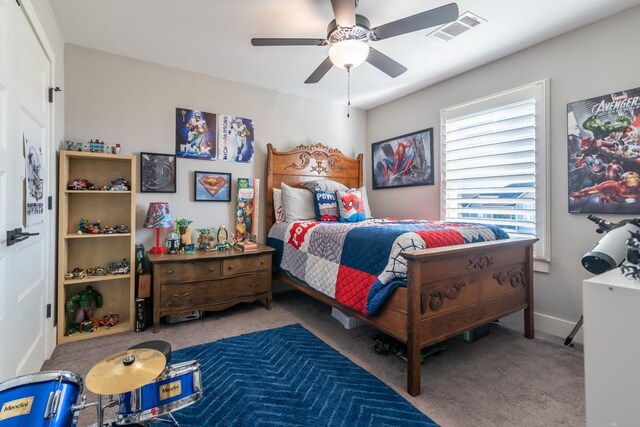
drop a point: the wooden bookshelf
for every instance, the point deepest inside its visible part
(92, 250)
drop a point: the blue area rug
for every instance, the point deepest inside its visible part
(288, 377)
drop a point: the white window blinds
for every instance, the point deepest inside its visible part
(490, 163)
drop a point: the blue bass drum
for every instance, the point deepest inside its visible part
(179, 386)
(43, 399)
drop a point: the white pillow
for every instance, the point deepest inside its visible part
(365, 202)
(298, 204)
(325, 185)
(277, 205)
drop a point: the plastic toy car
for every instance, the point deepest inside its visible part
(109, 320)
(96, 271)
(93, 228)
(118, 267)
(80, 184)
(121, 228)
(78, 273)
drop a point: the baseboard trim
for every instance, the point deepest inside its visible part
(551, 325)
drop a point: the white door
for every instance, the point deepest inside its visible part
(25, 280)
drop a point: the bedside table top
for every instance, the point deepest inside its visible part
(233, 252)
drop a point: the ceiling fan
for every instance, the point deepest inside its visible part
(348, 36)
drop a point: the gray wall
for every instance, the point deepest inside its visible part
(131, 102)
(593, 60)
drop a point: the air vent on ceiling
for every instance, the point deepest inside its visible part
(465, 22)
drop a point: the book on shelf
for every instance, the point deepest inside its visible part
(247, 246)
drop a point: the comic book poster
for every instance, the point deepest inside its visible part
(236, 137)
(195, 134)
(604, 153)
(247, 214)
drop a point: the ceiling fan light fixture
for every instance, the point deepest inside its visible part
(349, 53)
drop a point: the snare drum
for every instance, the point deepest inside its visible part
(177, 387)
(43, 399)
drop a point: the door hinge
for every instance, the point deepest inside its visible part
(48, 311)
(50, 202)
(51, 90)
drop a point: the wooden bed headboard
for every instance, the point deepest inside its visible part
(307, 163)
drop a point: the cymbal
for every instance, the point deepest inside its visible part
(125, 371)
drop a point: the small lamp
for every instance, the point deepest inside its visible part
(158, 217)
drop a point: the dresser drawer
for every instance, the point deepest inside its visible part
(197, 295)
(245, 264)
(188, 271)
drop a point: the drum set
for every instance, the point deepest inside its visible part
(140, 381)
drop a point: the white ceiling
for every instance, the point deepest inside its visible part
(213, 37)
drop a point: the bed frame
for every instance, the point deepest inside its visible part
(449, 290)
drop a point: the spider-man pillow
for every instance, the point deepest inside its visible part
(350, 205)
(326, 205)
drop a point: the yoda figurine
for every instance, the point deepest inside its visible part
(183, 229)
(205, 239)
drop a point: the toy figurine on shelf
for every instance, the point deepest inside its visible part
(120, 184)
(96, 271)
(82, 225)
(93, 228)
(80, 184)
(205, 239)
(110, 320)
(118, 267)
(182, 228)
(79, 307)
(121, 228)
(190, 249)
(76, 273)
(96, 146)
(222, 239)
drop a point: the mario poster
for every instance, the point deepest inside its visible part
(604, 153)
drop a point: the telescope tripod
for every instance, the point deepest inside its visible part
(573, 333)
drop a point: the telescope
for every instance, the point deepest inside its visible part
(611, 250)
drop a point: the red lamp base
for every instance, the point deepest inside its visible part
(157, 249)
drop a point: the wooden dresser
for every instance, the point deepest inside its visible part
(209, 281)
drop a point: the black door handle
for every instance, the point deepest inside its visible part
(16, 236)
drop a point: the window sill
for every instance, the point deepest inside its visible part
(541, 266)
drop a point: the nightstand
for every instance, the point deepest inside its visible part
(209, 281)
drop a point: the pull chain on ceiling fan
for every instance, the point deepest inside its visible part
(349, 34)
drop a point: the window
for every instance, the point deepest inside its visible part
(494, 163)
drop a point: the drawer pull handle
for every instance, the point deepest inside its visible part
(261, 262)
(169, 271)
(180, 295)
(230, 266)
(211, 268)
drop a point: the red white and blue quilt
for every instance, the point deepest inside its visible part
(359, 264)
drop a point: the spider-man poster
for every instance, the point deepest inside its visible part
(403, 161)
(604, 154)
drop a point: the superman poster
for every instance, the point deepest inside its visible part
(603, 141)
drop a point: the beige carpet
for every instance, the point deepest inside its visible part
(502, 379)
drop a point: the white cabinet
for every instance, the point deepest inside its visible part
(611, 308)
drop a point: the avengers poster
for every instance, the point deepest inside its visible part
(604, 154)
(195, 134)
(403, 161)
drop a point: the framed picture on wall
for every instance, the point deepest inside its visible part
(603, 142)
(403, 161)
(157, 173)
(212, 186)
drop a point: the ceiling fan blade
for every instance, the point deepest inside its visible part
(319, 72)
(430, 18)
(288, 42)
(385, 64)
(345, 12)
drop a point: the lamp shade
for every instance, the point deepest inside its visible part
(348, 53)
(158, 216)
